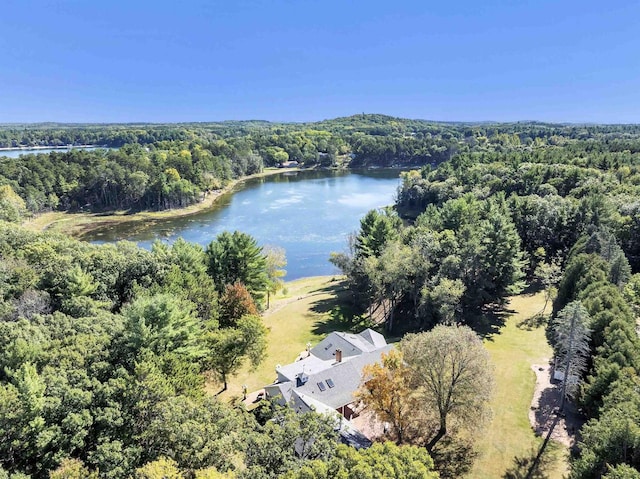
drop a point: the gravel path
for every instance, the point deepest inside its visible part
(546, 400)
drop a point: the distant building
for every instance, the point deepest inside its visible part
(289, 164)
(326, 379)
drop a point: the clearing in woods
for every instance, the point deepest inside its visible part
(309, 309)
(313, 307)
(508, 444)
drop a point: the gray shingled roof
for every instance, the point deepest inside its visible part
(374, 338)
(349, 344)
(326, 349)
(308, 365)
(346, 377)
(285, 390)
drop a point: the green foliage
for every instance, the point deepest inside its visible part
(382, 460)
(595, 274)
(198, 433)
(163, 324)
(614, 437)
(186, 276)
(162, 468)
(377, 228)
(443, 300)
(12, 207)
(571, 335)
(276, 260)
(72, 469)
(229, 348)
(120, 387)
(288, 440)
(463, 255)
(236, 257)
(622, 471)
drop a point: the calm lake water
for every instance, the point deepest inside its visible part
(35, 151)
(308, 213)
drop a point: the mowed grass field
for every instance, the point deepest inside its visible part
(513, 349)
(313, 307)
(305, 312)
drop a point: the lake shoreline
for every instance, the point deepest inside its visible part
(66, 147)
(77, 224)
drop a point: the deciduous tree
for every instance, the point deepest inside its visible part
(229, 348)
(386, 391)
(452, 376)
(276, 261)
(236, 302)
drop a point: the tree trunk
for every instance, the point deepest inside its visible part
(441, 432)
(547, 297)
(392, 309)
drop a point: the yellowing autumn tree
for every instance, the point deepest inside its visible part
(386, 392)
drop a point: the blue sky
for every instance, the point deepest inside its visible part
(305, 60)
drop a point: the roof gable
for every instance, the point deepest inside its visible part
(376, 339)
(345, 377)
(326, 349)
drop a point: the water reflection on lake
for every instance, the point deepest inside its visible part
(308, 213)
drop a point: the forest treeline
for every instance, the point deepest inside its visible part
(168, 166)
(104, 350)
(485, 225)
(104, 353)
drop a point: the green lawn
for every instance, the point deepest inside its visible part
(514, 349)
(311, 308)
(308, 310)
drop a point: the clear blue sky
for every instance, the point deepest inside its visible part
(304, 60)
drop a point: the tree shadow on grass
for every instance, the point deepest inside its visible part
(534, 322)
(521, 465)
(453, 457)
(338, 310)
(545, 412)
(489, 321)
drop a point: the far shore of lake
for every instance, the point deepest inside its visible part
(79, 223)
(63, 147)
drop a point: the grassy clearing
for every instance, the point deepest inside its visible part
(77, 224)
(509, 437)
(310, 309)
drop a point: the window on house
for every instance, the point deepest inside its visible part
(330, 383)
(322, 386)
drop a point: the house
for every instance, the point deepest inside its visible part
(289, 164)
(327, 378)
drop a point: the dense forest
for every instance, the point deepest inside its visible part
(484, 225)
(167, 166)
(104, 350)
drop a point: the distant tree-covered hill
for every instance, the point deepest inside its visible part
(163, 166)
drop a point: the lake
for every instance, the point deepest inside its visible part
(308, 213)
(34, 151)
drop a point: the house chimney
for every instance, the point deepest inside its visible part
(338, 355)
